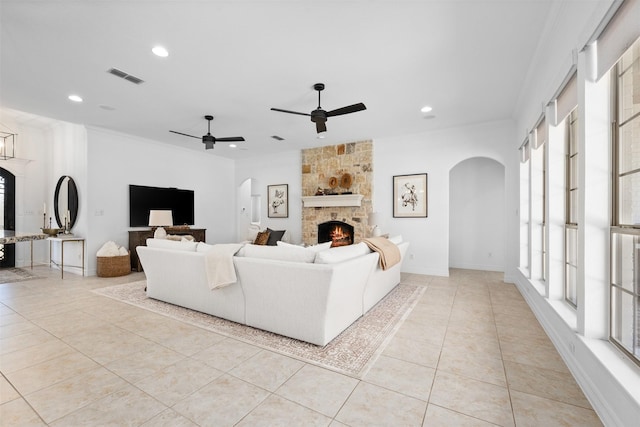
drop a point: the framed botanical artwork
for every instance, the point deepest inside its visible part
(278, 201)
(410, 196)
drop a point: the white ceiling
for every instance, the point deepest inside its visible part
(237, 59)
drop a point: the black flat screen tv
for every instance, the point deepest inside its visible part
(142, 199)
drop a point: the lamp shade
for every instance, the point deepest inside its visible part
(160, 218)
(373, 218)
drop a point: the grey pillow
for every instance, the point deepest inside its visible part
(274, 236)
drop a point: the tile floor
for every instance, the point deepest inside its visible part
(470, 353)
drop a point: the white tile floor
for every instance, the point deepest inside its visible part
(470, 353)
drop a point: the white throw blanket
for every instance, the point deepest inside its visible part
(219, 265)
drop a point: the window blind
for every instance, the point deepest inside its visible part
(541, 133)
(567, 101)
(619, 34)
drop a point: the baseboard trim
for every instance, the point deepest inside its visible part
(608, 379)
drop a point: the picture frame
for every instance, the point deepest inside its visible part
(278, 201)
(410, 196)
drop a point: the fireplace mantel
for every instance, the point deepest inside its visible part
(332, 200)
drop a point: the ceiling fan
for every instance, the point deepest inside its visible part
(320, 116)
(209, 140)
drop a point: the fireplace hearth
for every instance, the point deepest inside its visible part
(337, 232)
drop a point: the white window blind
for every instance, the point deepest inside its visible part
(567, 101)
(541, 133)
(524, 152)
(619, 34)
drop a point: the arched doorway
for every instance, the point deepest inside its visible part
(7, 215)
(477, 215)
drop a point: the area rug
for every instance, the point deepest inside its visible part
(351, 353)
(12, 275)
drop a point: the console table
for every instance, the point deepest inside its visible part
(8, 237)
(139, 238)
(62, 241)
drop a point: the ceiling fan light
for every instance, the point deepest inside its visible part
(233, 145)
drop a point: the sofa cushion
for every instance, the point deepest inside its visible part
(342, 253)
(203, 247)
(261, 238)
(170, 244)
(274, 236)
(316, 248)
(396, 239)
(281, 253)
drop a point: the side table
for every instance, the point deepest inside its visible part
(62, 241)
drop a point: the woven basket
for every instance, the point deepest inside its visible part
(114, 266)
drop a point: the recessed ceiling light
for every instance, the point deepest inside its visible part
(160, 51)
(232, 145)
(75, 98)
(426, 109)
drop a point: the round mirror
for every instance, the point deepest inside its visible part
(65, 201)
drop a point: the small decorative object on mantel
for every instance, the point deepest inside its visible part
(319, 192)
(346, 181)
(333, 182)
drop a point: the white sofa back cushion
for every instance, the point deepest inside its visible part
(281, 253)
(396, 239)
(316, 248)
(170, 244)
(342, 253)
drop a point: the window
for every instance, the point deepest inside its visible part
(571, 221)
(625, 231)
(525, 195)
(541, 139)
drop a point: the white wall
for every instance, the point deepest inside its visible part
(436, 153)
(281, 168)
(118, 160)
(476, 215)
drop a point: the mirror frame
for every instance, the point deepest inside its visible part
(72, 201)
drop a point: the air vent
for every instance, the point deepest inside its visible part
(126, 76)
(277, 138)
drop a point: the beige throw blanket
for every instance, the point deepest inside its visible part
(219, 265)
(389, 252)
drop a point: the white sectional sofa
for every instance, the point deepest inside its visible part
(301, 293)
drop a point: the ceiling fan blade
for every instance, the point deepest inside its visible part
(321, 126)
(290, 112)
(346, 110)
(184, 134)
(231, 139)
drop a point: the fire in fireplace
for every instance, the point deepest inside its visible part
(337, 232)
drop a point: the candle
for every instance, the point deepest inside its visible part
(44, 208)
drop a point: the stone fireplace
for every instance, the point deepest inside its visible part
(322, 167)
(337, 232)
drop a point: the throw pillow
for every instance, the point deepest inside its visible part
(342, 253)
(262, 238)
(274, 236)
(170, 244)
